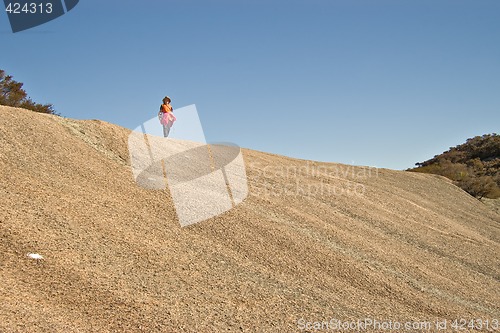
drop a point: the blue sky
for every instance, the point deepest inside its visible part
(378, 83)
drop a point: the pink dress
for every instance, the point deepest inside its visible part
(167, 118)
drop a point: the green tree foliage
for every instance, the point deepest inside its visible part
(13, 94)
(473, 166)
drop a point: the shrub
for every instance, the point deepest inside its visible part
(478, 187)
(13, 94)
(473, 165)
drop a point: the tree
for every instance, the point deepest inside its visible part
(13, 94)
(474, 165)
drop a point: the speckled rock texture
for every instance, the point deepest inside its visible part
(312, 241)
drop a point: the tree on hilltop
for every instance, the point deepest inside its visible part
(13, 94)
(473, 166)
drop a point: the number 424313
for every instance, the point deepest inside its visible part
(477, 324)
(29, 8)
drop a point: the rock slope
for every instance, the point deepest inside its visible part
(312, 241)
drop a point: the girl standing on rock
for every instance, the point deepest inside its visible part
(166, 115)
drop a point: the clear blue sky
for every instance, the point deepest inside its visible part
(379, 83)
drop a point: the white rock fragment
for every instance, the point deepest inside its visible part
(35, 256)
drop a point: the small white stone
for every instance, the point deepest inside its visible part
(35, 256)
